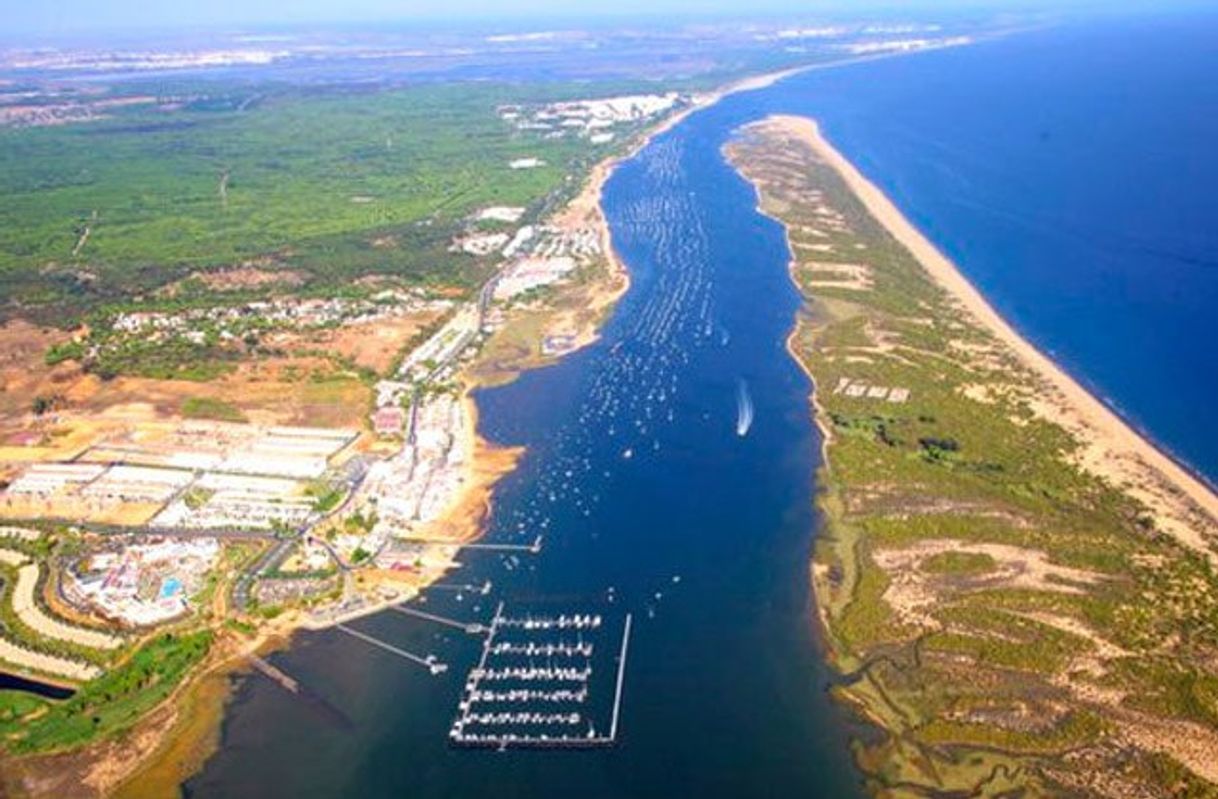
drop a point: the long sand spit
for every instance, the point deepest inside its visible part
(1182, 504)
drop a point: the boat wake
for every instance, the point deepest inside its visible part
(744, 409)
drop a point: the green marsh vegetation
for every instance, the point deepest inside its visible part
(994, 605)
(211, 408)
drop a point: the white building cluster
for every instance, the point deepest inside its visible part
(857, 389)
(43, 480)
(280, 313)
(546, 256)
(420, 482)
(444, 346)
(590, 118)
(194, 476)
(225, 501)
(531, 273)
(300, 452)
(144, 584)
(904, 45)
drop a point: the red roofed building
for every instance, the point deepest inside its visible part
(388, 421)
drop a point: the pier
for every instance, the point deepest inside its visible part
(287, 683)
(533, 548)
(621, 674)
(473, 628)
(483, 589)
(429, 662)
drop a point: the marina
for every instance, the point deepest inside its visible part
(544, 684)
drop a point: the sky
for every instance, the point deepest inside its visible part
(49, 17)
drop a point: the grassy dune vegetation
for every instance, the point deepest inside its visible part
(1015, 625)
(328, 184)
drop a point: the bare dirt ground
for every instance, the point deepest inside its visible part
(912, 591)
(373, 345)
(295, 390)
(247, 277)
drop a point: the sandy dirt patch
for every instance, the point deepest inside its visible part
(248, 277)
(373, 345)
(913, 592)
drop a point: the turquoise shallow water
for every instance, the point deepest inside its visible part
(1072, 188)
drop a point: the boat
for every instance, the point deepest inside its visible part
(744, 409)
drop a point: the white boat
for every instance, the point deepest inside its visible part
(744, 409)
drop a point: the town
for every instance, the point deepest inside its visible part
(123, 528)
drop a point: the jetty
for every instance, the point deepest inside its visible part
(532, 548)
(429, 661)
(473, 628)
(286, 682)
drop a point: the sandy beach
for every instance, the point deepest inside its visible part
(1182, 505)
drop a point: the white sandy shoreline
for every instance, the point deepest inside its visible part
(1112, 448)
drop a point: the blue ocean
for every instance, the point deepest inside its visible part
(1069, 171)
(1071, 174)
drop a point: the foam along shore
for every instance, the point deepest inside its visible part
(1183, 505)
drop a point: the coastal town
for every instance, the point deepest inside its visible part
(610, 401)
(122, 527)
